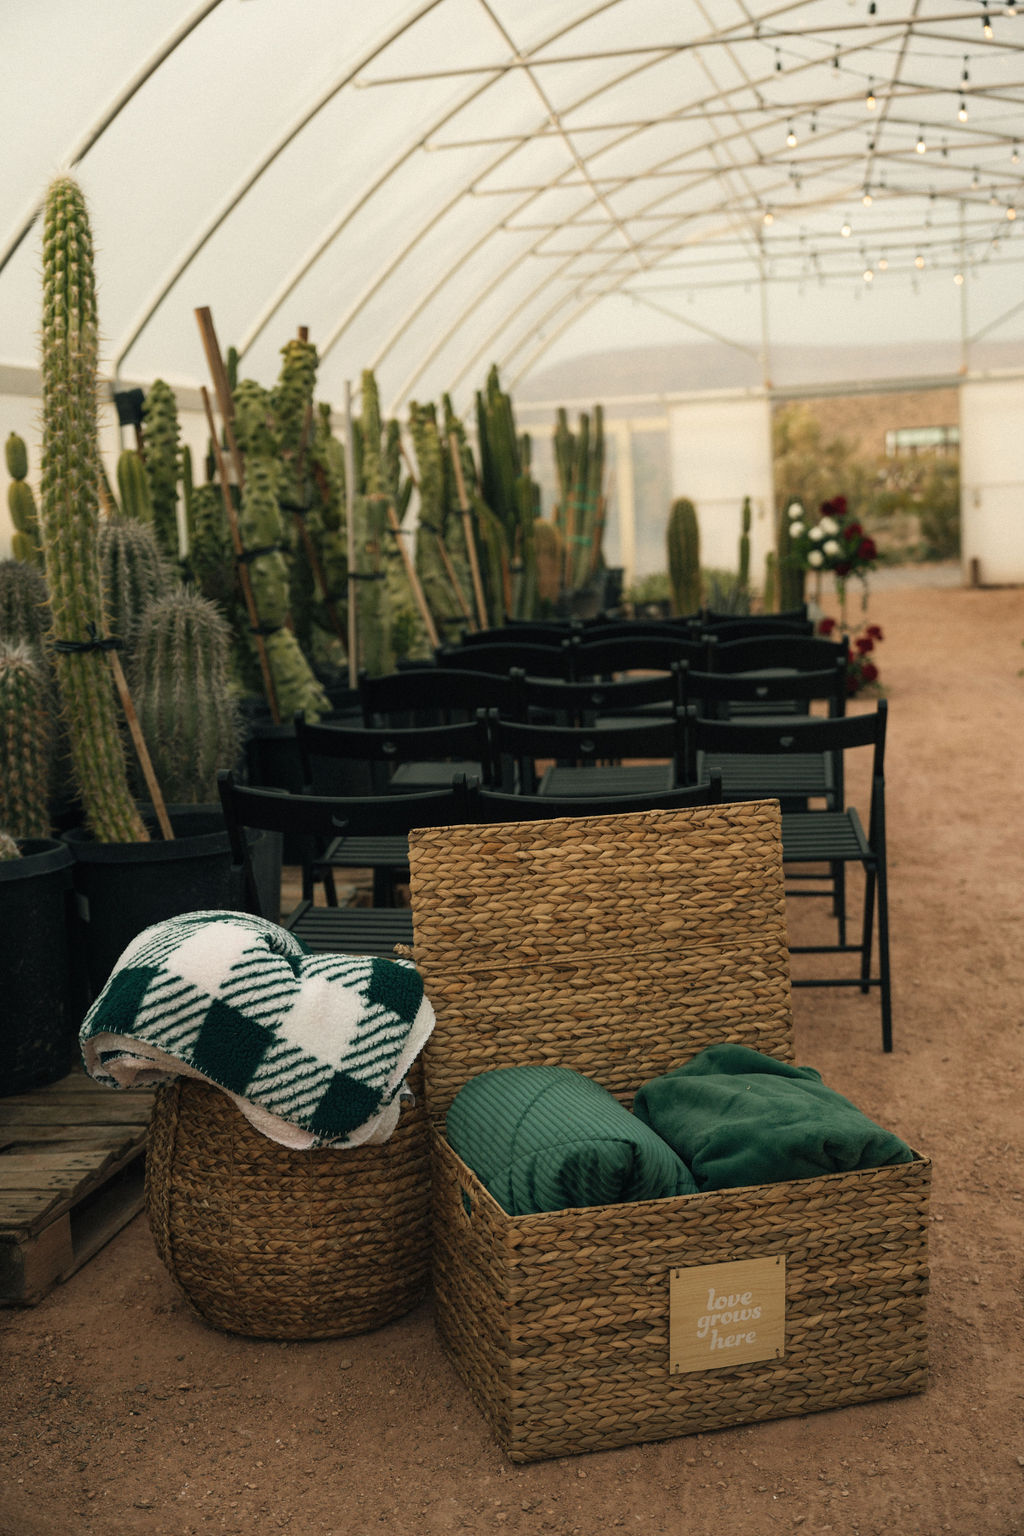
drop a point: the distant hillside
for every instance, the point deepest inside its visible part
(679, 369)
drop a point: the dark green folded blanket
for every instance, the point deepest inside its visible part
(736, 1117)
(546, 1138)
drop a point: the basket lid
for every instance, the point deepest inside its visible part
(618, 945)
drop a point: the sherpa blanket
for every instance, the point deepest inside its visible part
(737, 1117)
(543, 1138)
(314, 1049)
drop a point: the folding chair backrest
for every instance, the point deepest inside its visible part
(441, 692)
(467, 740)
(314, 820)
(504, 657)
(707, 691)
(711, 617)
(800, 735)
(493, 805)
(804, 653)
(756, 625)
(575, 701)
(636, 653)
(650, 739)
(524, 632)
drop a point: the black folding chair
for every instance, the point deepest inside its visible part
(597, 701)
(635, 652)
(522, 632)
(834, 837)
(793, 653)
(792, 779)
(646, 757)
(315, 821)
(753, 626)
(711, 618)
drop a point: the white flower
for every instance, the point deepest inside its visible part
(815, 558)
(828, 525)
(794, 510)
(817, 533)
(796, 528)
(831, 547)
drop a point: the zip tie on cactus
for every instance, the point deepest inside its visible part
(248, 555)
(95, 642)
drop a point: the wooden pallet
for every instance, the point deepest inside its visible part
(71, 1176)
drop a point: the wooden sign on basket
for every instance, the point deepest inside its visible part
(724, 1315)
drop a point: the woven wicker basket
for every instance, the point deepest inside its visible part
(621, 946)
(279, 1244)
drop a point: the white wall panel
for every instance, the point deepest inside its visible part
(992, 479)
(720, 448)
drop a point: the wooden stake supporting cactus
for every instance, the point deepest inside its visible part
(69, 513)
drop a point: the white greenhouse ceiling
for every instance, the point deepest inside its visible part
(432, 187)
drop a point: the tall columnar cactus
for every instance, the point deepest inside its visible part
(181, 688)
(580, 511)
(744, 565)
(549, 556)
(21, 503)
(133, 572)
(133, 487)
(683, 543)
(791, 576)
(69, 507)
(164, 463)
(26, 742)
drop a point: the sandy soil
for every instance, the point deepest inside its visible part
(122, 1414)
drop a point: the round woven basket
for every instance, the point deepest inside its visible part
(278, 1244)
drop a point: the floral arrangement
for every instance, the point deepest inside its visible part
(861, 670)
(836, 542)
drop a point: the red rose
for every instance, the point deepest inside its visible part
(826, 626)
(842, 567)
(869, 672)
(852, 531)
(839, 506)
(874, 631)
(864, 644)
(867, 550)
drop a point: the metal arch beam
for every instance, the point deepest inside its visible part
(248, 182)
(116, 107)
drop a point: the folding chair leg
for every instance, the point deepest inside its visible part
(839, 898)
(883, 957)
(867, 930)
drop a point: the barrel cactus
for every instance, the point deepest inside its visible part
(133, 572)
(180, 680)
(683, 541)
(26, 742)
(21, 503)
(69, 515)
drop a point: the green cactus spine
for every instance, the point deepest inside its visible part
(164, 463)
(133, 572)
(25, 542)
(181, 688)
(69, 506)
(26, 742)
(683, 541)
(744, 566)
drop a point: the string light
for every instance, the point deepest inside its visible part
(866, 199)
(1015, 156)
(986, 23)
(920, 146)
(1011, 213)
(791, 137)
(883, 263)
(958, 278)
(869, 276)
(962, 114)
(919, 262)
(769, 217)
(846, 231)
(870, 100)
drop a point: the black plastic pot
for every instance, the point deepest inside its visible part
(40, 1012)
(122, 888)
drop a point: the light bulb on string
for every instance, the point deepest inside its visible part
(791, 137)
(883, 263)
(768, 217)
(958, 278)
(919, 262)
(986, 21)
(962, 114)
(870, 100)
(1015, 156)
(868, 275)
(920, 146)
(1011, 213)
(866, 199)
(846, 231)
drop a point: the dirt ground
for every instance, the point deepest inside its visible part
(122, 1414)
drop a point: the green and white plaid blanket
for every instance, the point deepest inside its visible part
(314, 1049)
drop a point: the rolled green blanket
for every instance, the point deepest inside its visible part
(736, 1118)
(546, 1138)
